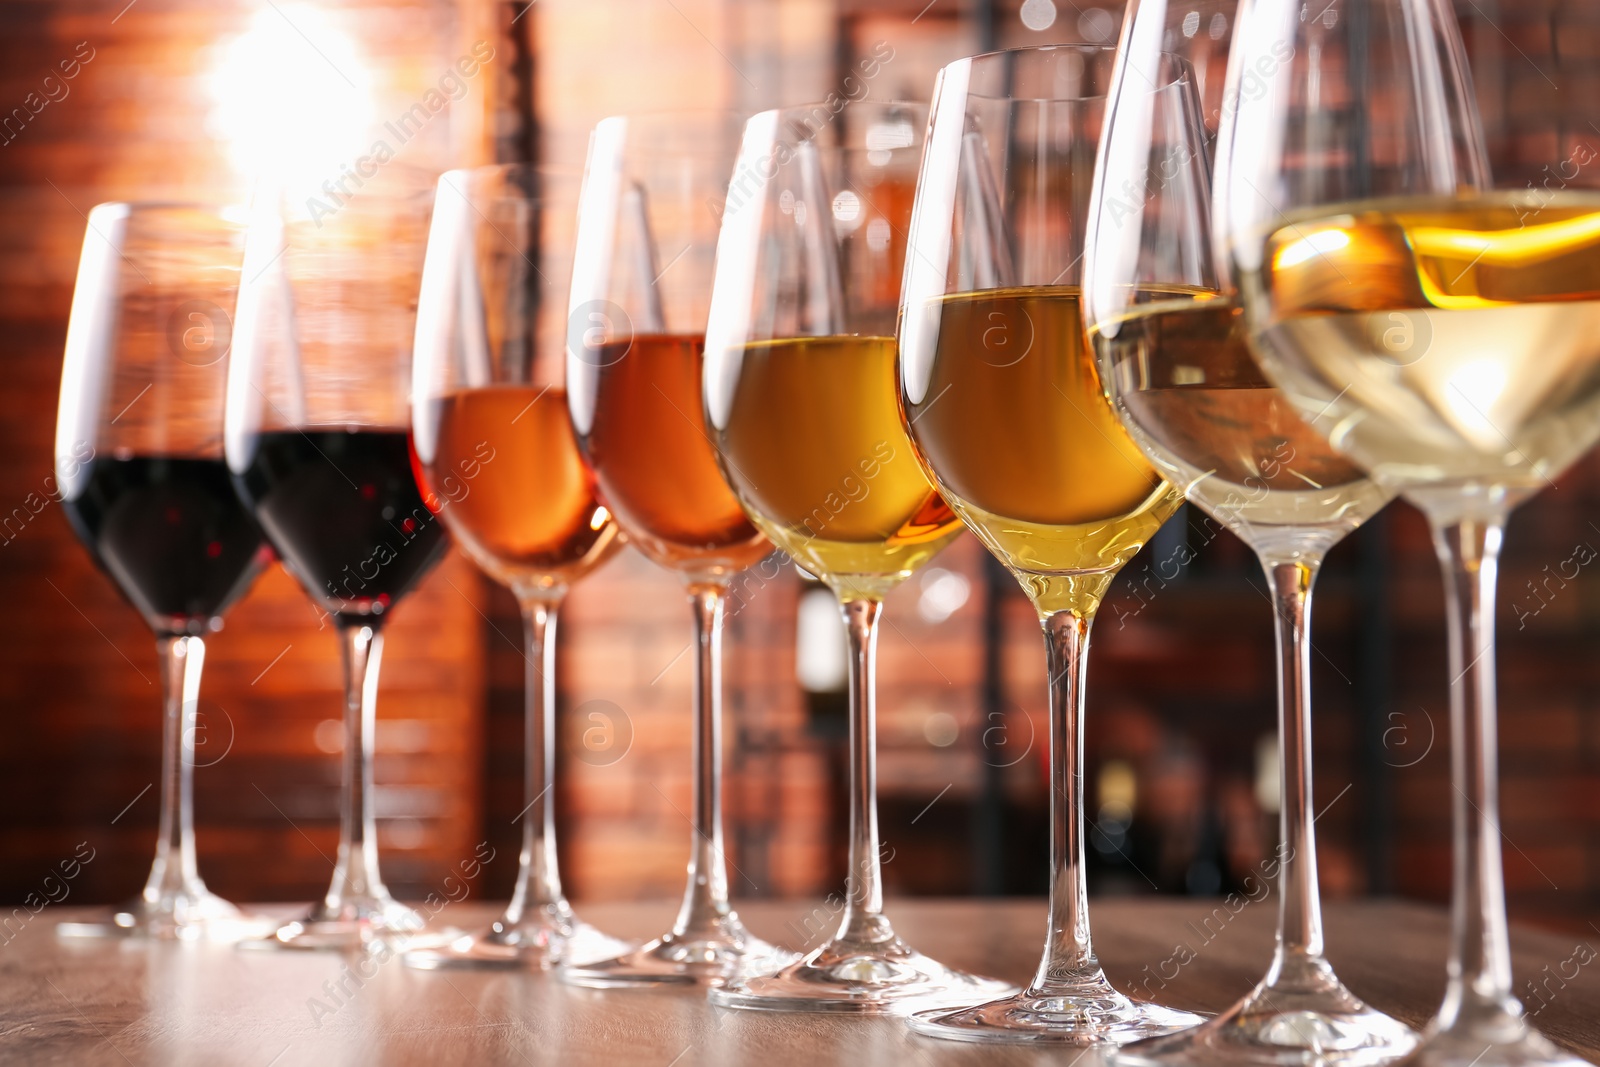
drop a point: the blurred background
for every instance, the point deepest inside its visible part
(176, 98)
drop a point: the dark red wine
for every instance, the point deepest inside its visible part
(343, 511)
(172, 534)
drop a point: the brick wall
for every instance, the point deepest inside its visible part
(78, 678)
(1182, 685)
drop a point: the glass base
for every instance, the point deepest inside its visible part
(1279, 1029)
(682, 959)
(546, 938)
(1513, 1043)
(886, 977)
(348, 925)
(190, 915)
(1080, 1018)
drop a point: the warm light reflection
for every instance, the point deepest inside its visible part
(292, 98)
(1317, 244)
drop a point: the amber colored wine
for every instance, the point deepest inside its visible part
(1451, 342)
(507, 479)
(814, 447)
(1011, 420)
(1194, 399)
(642, 427)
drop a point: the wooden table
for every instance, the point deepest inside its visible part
(128, 1003)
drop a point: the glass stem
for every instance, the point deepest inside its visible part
(1298, 963)
(1069, 965)
(174, 872)
(705, 911)
(863, 921)
(356, 881)
(538, 876)
(1478, 997)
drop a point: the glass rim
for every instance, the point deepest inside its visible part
(1026, 49)
(1184, 73)
(918, 112)
(865, 102)
(730, 120)
(986, 59)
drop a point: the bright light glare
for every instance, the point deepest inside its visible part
(292, 97)
(943, 594)
(847, 209)
(1038, 14)
(1320, 243)
(1472, 391)
(822, 651)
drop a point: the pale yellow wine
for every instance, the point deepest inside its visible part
(1450, 342)
(1192, 396)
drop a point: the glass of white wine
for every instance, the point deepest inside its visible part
(1442, 332)
(1170, 342)
(1006, 409)
(801, 402)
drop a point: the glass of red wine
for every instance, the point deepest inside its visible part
(316, 439)
(139, 462)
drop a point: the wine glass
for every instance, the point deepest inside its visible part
(801, 399)
(141, 477)
(1008, 415)
(500, 465)
(317, 427)
(1170, 342)
(1440, 329)
(647, 224)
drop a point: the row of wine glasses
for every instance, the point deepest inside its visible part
(1435, 323)
(783, 333)
(1174, 359)
(194, 444)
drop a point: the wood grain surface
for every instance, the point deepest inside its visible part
(133, 1004)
